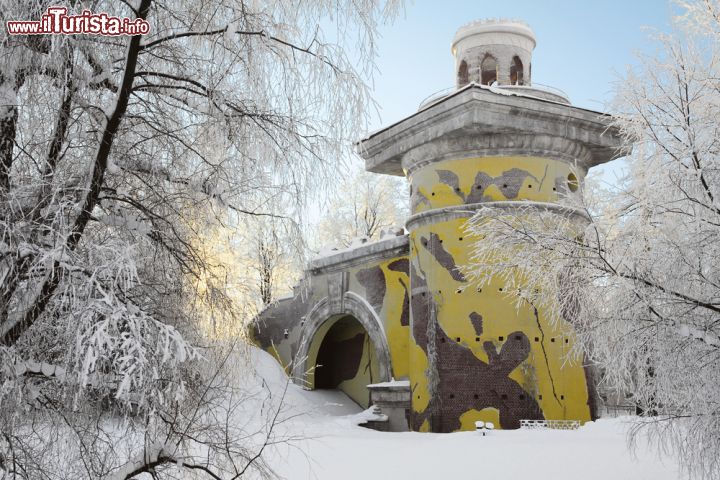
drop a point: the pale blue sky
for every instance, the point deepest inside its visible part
(583, 46)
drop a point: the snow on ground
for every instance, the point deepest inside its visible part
(334, 447)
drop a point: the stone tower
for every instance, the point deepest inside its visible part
(394, 322)
(496, 141)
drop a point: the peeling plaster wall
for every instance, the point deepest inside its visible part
(475, 356)
(469, 355)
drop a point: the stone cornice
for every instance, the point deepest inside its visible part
(500, 119)
(465, 211)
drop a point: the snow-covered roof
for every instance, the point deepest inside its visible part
(387, 246)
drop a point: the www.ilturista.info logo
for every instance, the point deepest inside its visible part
(57, 21)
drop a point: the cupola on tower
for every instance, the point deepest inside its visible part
(493, 52)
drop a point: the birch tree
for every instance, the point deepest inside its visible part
(118, 154)
(279, 256)
(635, 269)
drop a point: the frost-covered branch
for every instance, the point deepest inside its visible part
(136, 176)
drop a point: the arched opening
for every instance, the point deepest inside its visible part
(463, 76)
(344, 358)
(488, 70)
(516, 71)
(572, 182)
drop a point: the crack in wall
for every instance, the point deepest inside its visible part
(542, 345)
(542, 180)
(370, 350)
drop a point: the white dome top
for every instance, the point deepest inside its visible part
(494, 32)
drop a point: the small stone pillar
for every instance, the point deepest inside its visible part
(393, 400)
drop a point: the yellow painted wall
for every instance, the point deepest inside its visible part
(390, 313)
(566, 396)
(444, 184)
(539, 185)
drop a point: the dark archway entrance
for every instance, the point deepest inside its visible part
(347, 360)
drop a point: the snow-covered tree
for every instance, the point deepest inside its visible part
(279, 256)
(362, 205)
(635, 270)
(120, 157)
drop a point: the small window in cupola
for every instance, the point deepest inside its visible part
(488, 70)
(516, 71)
(463, 75)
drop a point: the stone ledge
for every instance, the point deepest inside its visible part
(468, 210)
(343, 259)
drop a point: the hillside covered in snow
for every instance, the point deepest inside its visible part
(326, 443)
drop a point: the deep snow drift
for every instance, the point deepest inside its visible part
(326, 444)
